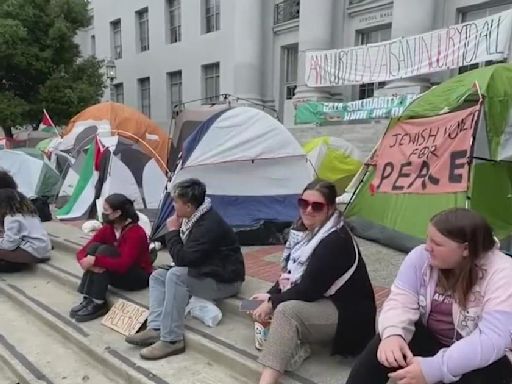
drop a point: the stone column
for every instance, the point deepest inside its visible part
(315, 33)
(410, 17)
(248, 49)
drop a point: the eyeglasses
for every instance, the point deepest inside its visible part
(316, 206)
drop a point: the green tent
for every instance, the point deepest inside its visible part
(334, 159)
(400, 220)
(32, 171)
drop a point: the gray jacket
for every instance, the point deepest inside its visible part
(27, 233)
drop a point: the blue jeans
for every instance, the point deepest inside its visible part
(169, 293)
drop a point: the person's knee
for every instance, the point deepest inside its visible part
(288, 310)
(107, 250)
(158, 276)
(92, 249)
(177, 274)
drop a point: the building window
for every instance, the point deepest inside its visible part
(175, 88)
(290, 57)
(93, 45)
(118, 93)
(212, 15)
(145, 96)
(479, 14)
(174, 20)
(286, 10)
(371, 37)
(117, 46)
(143, 29)
(211, 79)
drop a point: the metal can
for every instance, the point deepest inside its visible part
(261, 331)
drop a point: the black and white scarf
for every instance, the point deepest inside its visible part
(187, 224)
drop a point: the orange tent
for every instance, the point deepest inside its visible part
(130, 124)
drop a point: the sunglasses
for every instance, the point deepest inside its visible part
(316, 206)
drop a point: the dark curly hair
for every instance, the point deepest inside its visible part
(6, 180)
(13, 203)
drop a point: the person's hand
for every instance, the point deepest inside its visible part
(174, 223)
(412, 374)
(260, 296)
(87, 262)
(263, 312)
(393, 352)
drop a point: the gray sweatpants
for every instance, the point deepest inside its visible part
(169, 293)
(297, 321)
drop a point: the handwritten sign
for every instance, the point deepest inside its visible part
(426, 155)
(125, 317)
(452, 47)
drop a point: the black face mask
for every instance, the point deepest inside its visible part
(106, 219)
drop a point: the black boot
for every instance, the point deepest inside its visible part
(77, 308)
(92, 311)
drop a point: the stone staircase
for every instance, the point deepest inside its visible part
(40, 344)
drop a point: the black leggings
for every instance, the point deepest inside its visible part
(95, 285)
(367, 369)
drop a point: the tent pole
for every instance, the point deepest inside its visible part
(363, 177)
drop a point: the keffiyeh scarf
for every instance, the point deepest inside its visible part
(187, 224)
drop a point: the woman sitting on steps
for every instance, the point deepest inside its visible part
(117, 255)
(448, 318)
(325, 294)
(23, 239)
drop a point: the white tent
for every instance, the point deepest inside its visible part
(253, 168)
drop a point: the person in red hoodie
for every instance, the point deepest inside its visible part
(117, 255)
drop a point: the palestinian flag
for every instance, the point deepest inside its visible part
(79, 203)
(46, 124)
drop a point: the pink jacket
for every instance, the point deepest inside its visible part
(486, 325)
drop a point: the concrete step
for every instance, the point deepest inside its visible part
(232, 338)
(48, 301)
(42, 353)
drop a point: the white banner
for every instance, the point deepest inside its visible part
(458, 45)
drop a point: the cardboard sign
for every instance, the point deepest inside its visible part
(125, 317)
(426, 155)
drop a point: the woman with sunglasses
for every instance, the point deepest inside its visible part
(324, 293)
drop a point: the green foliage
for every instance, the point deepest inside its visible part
(40, 64)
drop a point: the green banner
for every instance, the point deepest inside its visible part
(321, 113)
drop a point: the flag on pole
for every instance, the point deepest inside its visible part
(46, 124)
(99, 148)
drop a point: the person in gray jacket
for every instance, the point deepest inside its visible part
(23, 239)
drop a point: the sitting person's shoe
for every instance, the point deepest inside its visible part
(91, 311)
(77, 308)
(300, 353)
(144, 339)
(162, 349)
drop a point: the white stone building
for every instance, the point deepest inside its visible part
(171, 51)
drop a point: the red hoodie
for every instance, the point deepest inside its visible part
(133, 248)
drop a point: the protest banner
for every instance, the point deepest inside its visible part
(321, 113)
(426, 155)
(125, 317)
(458, 45)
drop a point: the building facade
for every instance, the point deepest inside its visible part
(169, 52)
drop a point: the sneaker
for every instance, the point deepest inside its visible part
(300, 353)
(144, 339)
(77, 308)
(162, 349)
(91, 311)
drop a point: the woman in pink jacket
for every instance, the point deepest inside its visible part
(448, 318)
